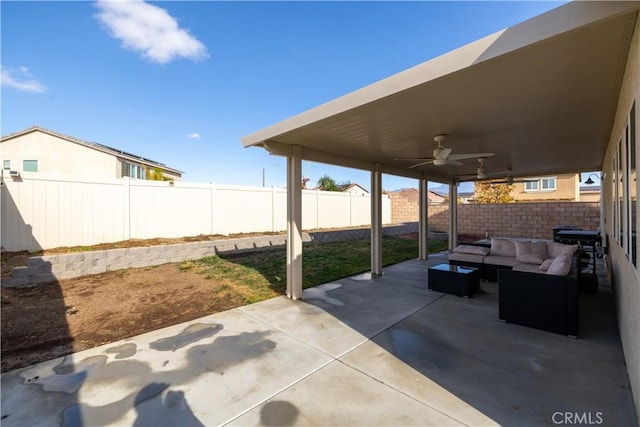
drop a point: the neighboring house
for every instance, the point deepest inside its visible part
(353, 188)
(466, 197)
(590, 193)
(547, 188)
(41, 150)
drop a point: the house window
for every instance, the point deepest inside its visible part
(6, 164)
(133, 171)
(30, 165)
(540, 184)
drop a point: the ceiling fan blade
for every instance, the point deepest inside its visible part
(469, 156)
(443, 154)
(416, 159)
(454, 162)
(420, 164)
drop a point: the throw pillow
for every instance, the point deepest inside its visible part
(503, 247)
(561, 266)
(555, 249)
(530, 252)
(470, 249)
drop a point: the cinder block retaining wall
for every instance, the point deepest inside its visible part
(42, 269)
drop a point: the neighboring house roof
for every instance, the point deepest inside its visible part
(466, 195)
(95, 146)
(412, 195)
(347, 187)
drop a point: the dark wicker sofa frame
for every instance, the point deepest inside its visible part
(540, 301)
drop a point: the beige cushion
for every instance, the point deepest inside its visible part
(470, 249)
(507, 261)
(561, 266)
(503, 247)
(531, 252)
(546, 264)
(457, 256)
(555, 249)
(529, 268)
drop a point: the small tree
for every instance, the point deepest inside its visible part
(488, 192)
(326, 183)
(156, 174)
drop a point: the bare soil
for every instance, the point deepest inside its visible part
(54, 319)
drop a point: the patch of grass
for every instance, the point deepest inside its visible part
(257, 276)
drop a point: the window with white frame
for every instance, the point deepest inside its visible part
(6, 164)
(540, 184)
(133, 170)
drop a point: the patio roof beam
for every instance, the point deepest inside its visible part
(281, 149)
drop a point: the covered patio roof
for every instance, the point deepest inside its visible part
(541, 95)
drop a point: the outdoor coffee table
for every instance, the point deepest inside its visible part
(454, 279)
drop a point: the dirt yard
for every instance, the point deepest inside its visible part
(55, 319)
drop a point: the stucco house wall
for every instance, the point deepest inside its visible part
(567, 189)
(57, 156)
(625, 277)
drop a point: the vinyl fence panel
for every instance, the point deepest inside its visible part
(42, 212)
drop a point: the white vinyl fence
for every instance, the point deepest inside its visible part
(41, 212)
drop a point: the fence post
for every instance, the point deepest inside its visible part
(213, 208)
(350, 209)
(273, 208)
(126, 207)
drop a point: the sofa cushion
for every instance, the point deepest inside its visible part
(506, 261)
(531, 252)
(555, 249)
(503, 247)
(561, 266)
(470, 249)
(530, 268)
(457, 256)
(546, 264)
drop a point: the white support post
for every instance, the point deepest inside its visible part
(453, 215)
(376, 220)
(294, 223)
(423, 219)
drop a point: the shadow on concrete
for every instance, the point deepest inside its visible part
(33, 318)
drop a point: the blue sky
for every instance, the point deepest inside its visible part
(182, 82)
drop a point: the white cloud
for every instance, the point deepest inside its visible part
(149, 29)
(194, 135)
(20, 79)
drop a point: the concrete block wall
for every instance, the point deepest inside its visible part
(535, 219)
(48, 268)
(403, 209)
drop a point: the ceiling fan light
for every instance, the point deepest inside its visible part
(439, 162)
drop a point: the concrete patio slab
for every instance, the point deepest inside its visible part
(360, 351)
(340, 395)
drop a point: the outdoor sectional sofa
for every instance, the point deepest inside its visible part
(538, 280)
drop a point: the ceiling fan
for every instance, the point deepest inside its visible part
(481, 172)
(442, 155)
(508, 179)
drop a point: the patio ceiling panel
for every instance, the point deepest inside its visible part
(541, 96)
